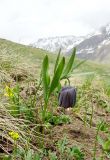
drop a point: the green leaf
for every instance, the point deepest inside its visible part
(52, 155)
(100, 140)
(69, 65)
(106, 145)
(29, 154)
(36, 157)
(59, 87)
(45, 76)
(7, 157)
(48, 79)
(57, 60)
(57, 76)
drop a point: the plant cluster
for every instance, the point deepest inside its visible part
(26, 120)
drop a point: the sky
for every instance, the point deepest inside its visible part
(24, 21)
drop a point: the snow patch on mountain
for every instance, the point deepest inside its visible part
(89, 46)
(53, 44)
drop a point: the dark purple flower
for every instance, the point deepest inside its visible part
(67, 97)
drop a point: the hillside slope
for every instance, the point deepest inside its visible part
(94, 46)
(27, 133)
(20, 59)
(16, 57)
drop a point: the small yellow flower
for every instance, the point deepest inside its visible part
(14, 135)
(9, 92)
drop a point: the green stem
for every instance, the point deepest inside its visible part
(68, 81)
(44, 111)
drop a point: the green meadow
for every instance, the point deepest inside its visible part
(32, 124)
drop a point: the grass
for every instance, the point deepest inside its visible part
(80, 133)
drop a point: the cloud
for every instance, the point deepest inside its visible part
(26, 20)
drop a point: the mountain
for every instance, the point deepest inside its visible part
(54, 43)
(21, 62)
(95, 46)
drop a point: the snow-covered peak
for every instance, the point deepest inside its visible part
(54, 43)
(87, 47)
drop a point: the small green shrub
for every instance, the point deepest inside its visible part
(57, 119)
(69, 152)
(76, 153)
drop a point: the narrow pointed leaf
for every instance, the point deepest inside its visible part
(75, 67)
(57, 60)
(69, 65)
(48, 79)
(45, 76)
(57, 76)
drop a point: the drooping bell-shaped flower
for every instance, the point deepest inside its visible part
(67, 97)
